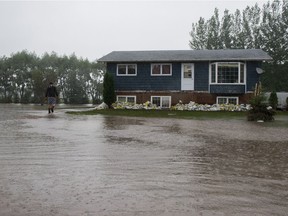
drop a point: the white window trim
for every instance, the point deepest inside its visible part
(126, 96)
(216, 77)
(127, 70)
(151, 99)
(227, 97)
(161, 64)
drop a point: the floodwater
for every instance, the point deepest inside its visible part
(72, 165)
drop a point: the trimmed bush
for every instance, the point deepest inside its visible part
(273, 100)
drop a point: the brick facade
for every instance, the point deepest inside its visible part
(184, 96)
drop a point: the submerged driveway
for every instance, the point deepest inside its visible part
(64, 164)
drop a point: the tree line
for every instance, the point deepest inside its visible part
(25, 76)
(262, 28)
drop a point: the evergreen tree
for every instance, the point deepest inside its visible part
(214, 40)
(109, 95)
(226, 29)
(273, 100)
(199, 35)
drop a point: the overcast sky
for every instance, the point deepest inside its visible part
(91, 29)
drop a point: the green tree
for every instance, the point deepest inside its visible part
(237, 35)
(213, 40)
(199, 35)
(247, 30)
(95, 82)
(109, 95)
(6, 81)
(259, 109)
(273, 100)
(21, 64)
(24, 78)
(37, 86)
(226, 30)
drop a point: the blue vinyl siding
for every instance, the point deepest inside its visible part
(252, 77)
(201, 76)
(227, 89)
(144, 80)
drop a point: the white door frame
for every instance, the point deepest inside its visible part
(187, 83)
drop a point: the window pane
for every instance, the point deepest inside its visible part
(227, 73)
(232, 101)
(166, 69)
(131, 99)
(156, 101)
(165, 102)
(131, 69)
(121, 69)
(156, 69)
(187, 71)
(121, 99)
(222, 100)
(213, 73)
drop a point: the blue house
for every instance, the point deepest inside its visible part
(202, 76)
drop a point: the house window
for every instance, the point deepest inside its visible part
(161, 69)
(129, 99)
(227, 100)
(161, 101)
(227, 73)
(187, 71)
(126, 70)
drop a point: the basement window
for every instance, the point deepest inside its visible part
(161, 101)
(227, 100)
(125, 98)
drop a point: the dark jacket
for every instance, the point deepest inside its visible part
(51, 92)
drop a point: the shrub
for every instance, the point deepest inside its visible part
(109, 95)
(273, 100)
(259, 110)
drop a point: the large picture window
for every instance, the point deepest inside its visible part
(161, 101)
(227, 73)
(161, 69)
(126, 70)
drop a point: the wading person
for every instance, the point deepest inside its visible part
(51, 94)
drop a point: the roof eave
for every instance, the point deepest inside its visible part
(188, 60)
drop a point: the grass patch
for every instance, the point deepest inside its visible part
(166, 114)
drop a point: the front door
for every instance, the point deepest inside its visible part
(187, 80)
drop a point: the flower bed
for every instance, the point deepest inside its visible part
(192, 106)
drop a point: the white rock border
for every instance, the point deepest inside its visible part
(192, 106)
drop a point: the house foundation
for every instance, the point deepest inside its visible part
(184, 96)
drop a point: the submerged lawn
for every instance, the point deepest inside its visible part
(167, 114)
(281, 118)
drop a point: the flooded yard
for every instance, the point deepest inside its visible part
(63, 164)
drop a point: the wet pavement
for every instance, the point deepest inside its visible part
(65, 164)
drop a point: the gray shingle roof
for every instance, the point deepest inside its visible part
(185, 55)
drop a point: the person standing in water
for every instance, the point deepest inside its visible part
(51, 94)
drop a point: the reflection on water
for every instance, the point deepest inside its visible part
(119, 123)
(101, 165)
